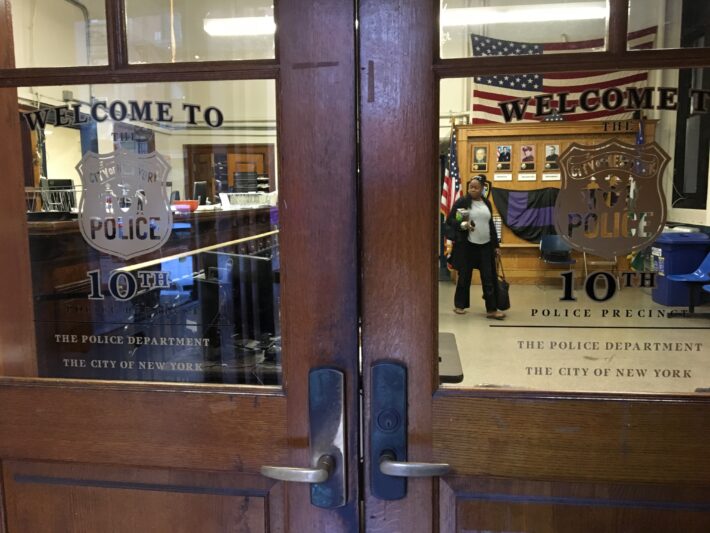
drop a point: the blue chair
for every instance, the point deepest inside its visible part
(554, 250)
(696, 278)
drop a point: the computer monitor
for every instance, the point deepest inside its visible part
(199, 192)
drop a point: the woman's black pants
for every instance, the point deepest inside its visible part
(478, 256)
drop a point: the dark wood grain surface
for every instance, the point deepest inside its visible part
(17, 357)
(192, 429)
(398, 149)
(654, 441)
(319, 229)
(497, 504)
(520, 435)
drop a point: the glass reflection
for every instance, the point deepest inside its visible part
(595, 239)
(154, 232)
(677, 23)
(212, 30)
(476, 28)
(37, 24)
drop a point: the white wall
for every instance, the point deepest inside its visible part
(50, 33)
(248, 107)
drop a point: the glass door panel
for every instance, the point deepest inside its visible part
(584, 185)
(153, 227)
(482, 28)
(213, 30)
(65, 33)
(678, 23)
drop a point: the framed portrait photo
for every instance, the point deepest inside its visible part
(504, 155)
(552, 156)
(479, 158)
(527, 157)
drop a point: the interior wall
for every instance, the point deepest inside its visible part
(249, 109)
(245, 104)
(64, 145)
(456, 99)
(456, 94)
(36, 25)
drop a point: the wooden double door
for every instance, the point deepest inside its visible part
(357, 291)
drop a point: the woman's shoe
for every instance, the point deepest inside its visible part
(459, 311)
(498, 315)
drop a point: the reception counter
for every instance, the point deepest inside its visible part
(211, 316)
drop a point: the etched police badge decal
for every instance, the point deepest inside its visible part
(124, 209)
(611, 201)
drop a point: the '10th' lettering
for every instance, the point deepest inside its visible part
(123, 285)
(609, 284)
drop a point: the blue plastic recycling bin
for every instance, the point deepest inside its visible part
(676, 253)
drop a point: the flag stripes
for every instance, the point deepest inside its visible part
(489, 91)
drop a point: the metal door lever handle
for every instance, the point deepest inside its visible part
(390, 467)
(319, 474)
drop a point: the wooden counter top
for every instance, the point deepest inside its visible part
(55, 227)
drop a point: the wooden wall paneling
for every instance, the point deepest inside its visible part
(7, 52)
(400, 201)
(100, 498)
(318, 217)
(587, 61)
(3, 514)
(521, 258)
(16, 313)
(203, 476)
(117, 43)
(567, 438)
(617, 27)
(112, 424)
(495, 504)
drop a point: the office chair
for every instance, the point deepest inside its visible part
(555, 251)
(595, 261)
(696, 278)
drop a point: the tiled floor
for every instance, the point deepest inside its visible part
(624, 344)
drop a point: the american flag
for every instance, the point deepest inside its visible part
(640, 136)
(451, 190)
(488, 91)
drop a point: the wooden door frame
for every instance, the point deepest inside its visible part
(316, 89)
(399, 93)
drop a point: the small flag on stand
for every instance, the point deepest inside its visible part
(451, 191)
(640, 137)
(637, 259)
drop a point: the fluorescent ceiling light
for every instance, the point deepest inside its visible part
(474, 16)
(239, 26)
(468, 16)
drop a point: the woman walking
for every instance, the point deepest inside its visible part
(470, 227)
